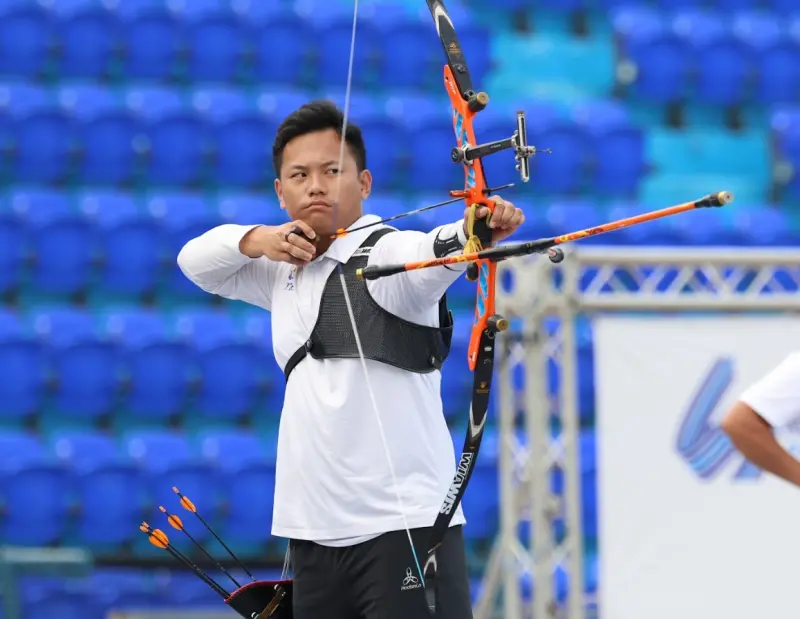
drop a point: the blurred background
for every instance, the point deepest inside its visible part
(128, 127)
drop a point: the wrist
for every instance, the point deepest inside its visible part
(252, 244)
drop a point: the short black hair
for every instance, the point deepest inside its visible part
(318, 116)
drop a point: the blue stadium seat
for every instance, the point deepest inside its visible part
(113, 500)
(16, 96)
(133, 325)
(456, 377)
(570, 215)
(87, 369)
(723, 63)
(242, 147)
(177, 144)
(130, 242)
(183, 216)
(756, 27)
(79, 98)
(159, 369)
(64, 604)
(430, 167)
(617, 148)
(20, 448)
(772, 224)
(35, 493)
(153, 449)
(332, 34)
(62, 241)
(84, 450)
(278, 101)
(151, 39)
(220, 101)
(43, 139)
(23, 371)
(386, 146)
(724, 6)
(782, 7)
(168, 460)
(293, 36)
(217, 43)
(654, 233)
(13, 251)
(785, 125)
(413, 36)
(247, 520)
(109, 136)
(233, 447)
(61, 325)
(188, 591)
(87, 38)
(778, 75)
(660, 58)
(26, 32)
(247, 209)
(562, 171)
(386, 205)
(231, 375)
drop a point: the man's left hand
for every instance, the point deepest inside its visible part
(504, 221)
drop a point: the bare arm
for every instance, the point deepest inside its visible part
(755, 439)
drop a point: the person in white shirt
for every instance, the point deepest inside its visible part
(364, 457)
(771, 402)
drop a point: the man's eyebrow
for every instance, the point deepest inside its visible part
(324, 164)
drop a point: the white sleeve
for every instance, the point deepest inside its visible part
(214, 263)
(412, 293)
(776, 396)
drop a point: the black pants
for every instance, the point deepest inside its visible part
(378, 579)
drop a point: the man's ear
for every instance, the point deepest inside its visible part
(279, 193)
(365, 178)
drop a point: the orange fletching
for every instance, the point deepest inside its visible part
(175, 522)
(160, 536)
(158, 543)
(185, 503)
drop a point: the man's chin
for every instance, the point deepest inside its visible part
(321, 221)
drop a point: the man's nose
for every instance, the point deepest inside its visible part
(317, 184)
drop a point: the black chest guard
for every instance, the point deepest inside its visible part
(384, 337)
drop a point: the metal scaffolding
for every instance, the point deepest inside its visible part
(543, 301)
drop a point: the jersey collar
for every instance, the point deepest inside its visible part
(342, 248)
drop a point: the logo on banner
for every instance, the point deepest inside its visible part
(702, 444)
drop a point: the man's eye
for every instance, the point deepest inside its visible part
(334, 170)
(298, 174)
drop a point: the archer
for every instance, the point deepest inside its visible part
(352, 487)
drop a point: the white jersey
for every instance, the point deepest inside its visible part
(334, 484)
(776, 396)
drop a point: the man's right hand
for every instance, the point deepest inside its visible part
(280, 243)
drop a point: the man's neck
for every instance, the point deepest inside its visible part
(324, 241)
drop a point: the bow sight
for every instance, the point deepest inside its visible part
(467, 153)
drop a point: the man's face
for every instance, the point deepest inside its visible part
(311, 177)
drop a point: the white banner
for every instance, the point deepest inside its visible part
(688, 530)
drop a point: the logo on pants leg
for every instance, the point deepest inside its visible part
(410, 581)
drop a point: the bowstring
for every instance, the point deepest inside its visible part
(349, 305)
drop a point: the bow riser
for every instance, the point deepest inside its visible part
(474, 195)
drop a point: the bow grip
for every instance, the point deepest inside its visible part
(481, 230)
